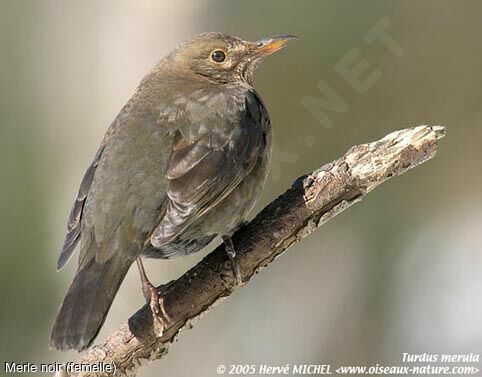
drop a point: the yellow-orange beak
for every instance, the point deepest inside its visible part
(270, 45)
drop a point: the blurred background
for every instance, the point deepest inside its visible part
(400, 272)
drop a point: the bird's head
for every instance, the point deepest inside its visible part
(224, 58)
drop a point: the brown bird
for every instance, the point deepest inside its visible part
(184, 161)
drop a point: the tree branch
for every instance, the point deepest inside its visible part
(312, 200)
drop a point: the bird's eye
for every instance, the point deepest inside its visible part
(218, 56)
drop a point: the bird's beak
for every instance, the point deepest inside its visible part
(268, 46)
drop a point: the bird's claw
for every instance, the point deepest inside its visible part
(236, 272)
(156, 303)
(230, 250)
(153, 298)
(230, 273)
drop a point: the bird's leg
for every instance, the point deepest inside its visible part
(151, 295)
(229, 247)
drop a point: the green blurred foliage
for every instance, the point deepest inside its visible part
(26, 278)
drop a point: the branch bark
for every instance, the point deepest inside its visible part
(312, 200)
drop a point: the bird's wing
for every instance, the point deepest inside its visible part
(74, 224)
(202, 172)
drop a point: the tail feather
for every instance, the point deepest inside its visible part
(87, 303)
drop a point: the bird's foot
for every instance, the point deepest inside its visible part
(154, 299)
(156, 303)
(228, 244)
(236, 269)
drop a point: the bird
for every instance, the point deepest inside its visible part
(183, 162)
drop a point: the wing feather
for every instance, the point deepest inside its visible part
(73, 226)
(201, 173)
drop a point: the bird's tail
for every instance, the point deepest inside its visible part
(87, 303)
